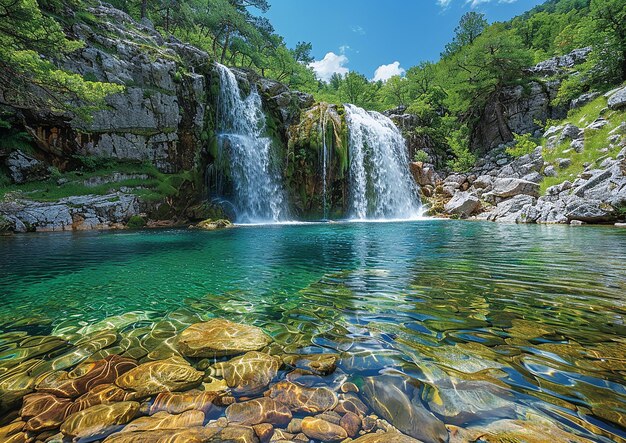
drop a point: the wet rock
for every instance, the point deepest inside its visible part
(510, 187)
(351, 403)
(150, 378)
(212, 225)
(108, 393)
(351, 423)
(219, 337)
(24, 168)
(295, 426)
(321, 364)
(16, 383)
(397, 399)
(249, 373)
(11, 429)
(302, 399)
(534, 430)
(196, 434)
(463, 204)
(104, 371)
(386, 437)
(43, 411)
(235, 434)
(319, 429)
(99, 421)
(349, 387)
(165, 421)
(368, 423)
(260, 410)
(177, 403)
(264, 431)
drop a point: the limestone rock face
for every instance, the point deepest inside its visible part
(219, 337)
(510, 187)
(154, 377)
(24, 168)
(100, 420)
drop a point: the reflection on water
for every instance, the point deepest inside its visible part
(494, 321)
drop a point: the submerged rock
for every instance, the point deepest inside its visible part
(397, 400)
(386, 437)
(321, 364)
(165, 421)
(43, 411)
(69, 385)
(100, 420)
(173, 374)
(177, 403)
(319, 429)
(220, 337)
(303, 399)
(261, 410)
(249, 373)
(193, 434)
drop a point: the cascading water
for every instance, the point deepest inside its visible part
(381, 186)
(258, 192)
(324, 165)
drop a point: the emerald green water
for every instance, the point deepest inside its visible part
(535, 312)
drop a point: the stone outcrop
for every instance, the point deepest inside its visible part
(84, 212)
(516, 110)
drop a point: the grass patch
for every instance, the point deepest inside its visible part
(157, 185)
(595, 141)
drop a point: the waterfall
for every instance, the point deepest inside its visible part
(381, 186)
(242, 145)
(324, 166)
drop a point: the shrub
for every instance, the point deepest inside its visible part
(524, 144)
(421, 156)
(136, 222)
(463, 159)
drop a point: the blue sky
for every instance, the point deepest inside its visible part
(389, 35)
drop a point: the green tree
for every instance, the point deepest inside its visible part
(471, 25)
(29, 41)
(609, 18)
(356, 89)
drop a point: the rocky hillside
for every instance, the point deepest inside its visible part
(576, 176)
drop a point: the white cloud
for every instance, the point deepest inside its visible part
(329, 65)
(385, 72)
(473, 3)
(358, 30)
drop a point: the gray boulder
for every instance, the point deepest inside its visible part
(617, 100)
(463, 204)
(24, 168)
(584, 99)
(510, 187)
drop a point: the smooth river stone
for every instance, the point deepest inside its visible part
(108, 393)
(536, 429)
(86, 377)
(320, 364)
(100, 420)
(173, 374)
(11, 429)
(319, 429)
(386, 437)
(16, 383)
(176, 403)
(196, 434)
(43, 411)
(397, 400)
(302, 399)
(260, 410)
(250, 373)
(219, 337)
(164, 421)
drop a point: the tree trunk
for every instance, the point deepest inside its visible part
(144, 7)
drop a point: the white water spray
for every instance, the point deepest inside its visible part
(381, 186)
(258, 192)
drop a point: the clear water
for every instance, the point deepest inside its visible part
(535, 312)
(243, 146)
(381, 186)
